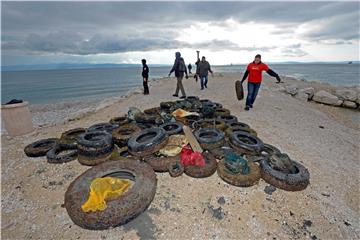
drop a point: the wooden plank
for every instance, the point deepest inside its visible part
(192, 140)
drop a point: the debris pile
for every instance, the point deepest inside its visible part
(194, 136)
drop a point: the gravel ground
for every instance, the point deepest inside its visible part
(324, 139)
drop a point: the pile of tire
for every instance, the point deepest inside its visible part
(128, 147)
(94, 147)
(56, 150)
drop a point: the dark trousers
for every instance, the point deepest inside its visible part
(253, 89)
(179, 85)
(146, 87)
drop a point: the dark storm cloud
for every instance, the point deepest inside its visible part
(344, 25)
(74, 43)
(52, 14)
(108, 27)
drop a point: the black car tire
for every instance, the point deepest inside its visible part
(94, 147)
(107, 127)
(245, 143)
(119, 210)
(71, 136)
(147, 141)
(160, 164)
(176, 169)
(210, 138)
(228, 119)
(172, 128)
(205, 171)
(290, 182)
(55, 156)
(40, 147)
(221, 112)
(122, 134)
(119, 120)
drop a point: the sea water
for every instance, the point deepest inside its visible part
(51, 86)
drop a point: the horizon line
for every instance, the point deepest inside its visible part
(169, 64)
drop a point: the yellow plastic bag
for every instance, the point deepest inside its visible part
(174, 145)
(102, 189)
(182, 113)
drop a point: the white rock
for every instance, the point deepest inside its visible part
(310, 91)
(327, 98)
(349, 104)
(301, 95)
(358, 99)
(291, 89)
(346, 94)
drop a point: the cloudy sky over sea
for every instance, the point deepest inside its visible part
(226, 32)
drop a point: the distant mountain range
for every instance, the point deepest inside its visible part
(112, 65)
(70, 66)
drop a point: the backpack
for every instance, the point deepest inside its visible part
(181, 65)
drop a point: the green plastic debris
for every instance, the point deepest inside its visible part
(236, 164)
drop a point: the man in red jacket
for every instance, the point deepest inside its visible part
(254, 71)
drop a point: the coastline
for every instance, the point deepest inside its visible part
(59, 113)
(55, 113)
(49, 114)
(326, 143)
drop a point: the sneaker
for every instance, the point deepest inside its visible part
(205, 86)
(247, 108)
(251, 106)
(182, 97)
(202, 88)
(175, 95)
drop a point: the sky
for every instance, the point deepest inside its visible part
(224, 32)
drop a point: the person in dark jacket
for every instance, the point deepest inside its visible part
(179, 68)
(189, 67)
(145, 75)
(197, 67)
(203, 70)
(254, 71)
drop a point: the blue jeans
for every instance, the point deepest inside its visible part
(253, 89)
(203, 81)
